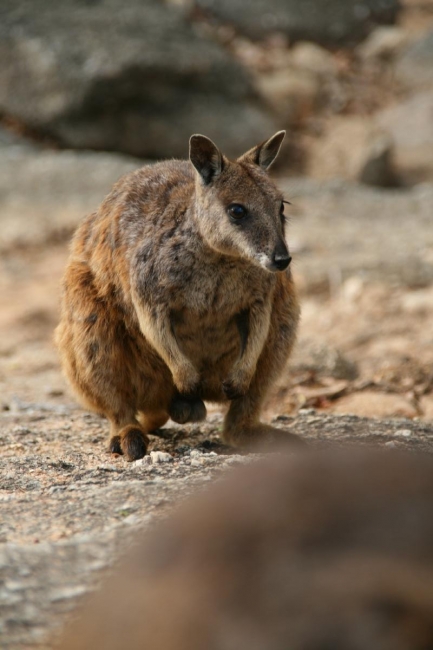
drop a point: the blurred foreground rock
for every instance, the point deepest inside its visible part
(136, 78)
(309, 551)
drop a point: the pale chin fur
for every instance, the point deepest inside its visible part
(264, 261)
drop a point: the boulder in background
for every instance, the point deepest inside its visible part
(410, 124)
(323, 21)
(44, 194)
(354, 148)
(134, 77)
(414, 67)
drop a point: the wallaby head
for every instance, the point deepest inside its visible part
(239, 210)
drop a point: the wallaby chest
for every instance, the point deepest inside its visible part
(188, 279)
(218, 290)
(208, 297)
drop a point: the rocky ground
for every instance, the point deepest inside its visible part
(68, 511)
(359, 174)
(364, 266)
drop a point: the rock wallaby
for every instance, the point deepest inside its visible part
(178, 290)
(310, 551)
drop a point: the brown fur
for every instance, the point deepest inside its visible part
(167, 302)
(310, 552)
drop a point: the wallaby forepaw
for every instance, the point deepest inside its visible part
(187, 409)
(237, 383)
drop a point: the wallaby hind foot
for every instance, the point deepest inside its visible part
(131, 441)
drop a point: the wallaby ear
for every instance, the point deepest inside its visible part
(206, 157)
(264, 154)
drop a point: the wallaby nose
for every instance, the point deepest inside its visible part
(281, 260)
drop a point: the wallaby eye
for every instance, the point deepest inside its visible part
(237, 211)
(282, 215)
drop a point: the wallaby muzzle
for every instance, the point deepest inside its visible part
(280, 258)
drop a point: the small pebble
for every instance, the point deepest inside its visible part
(66, 592)
(126, 507)
(160, 457)
(406, 433)
(21, 431)
(146, 460)
(236, 458)
(131, 520)
(107, 468)
(56, 488)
